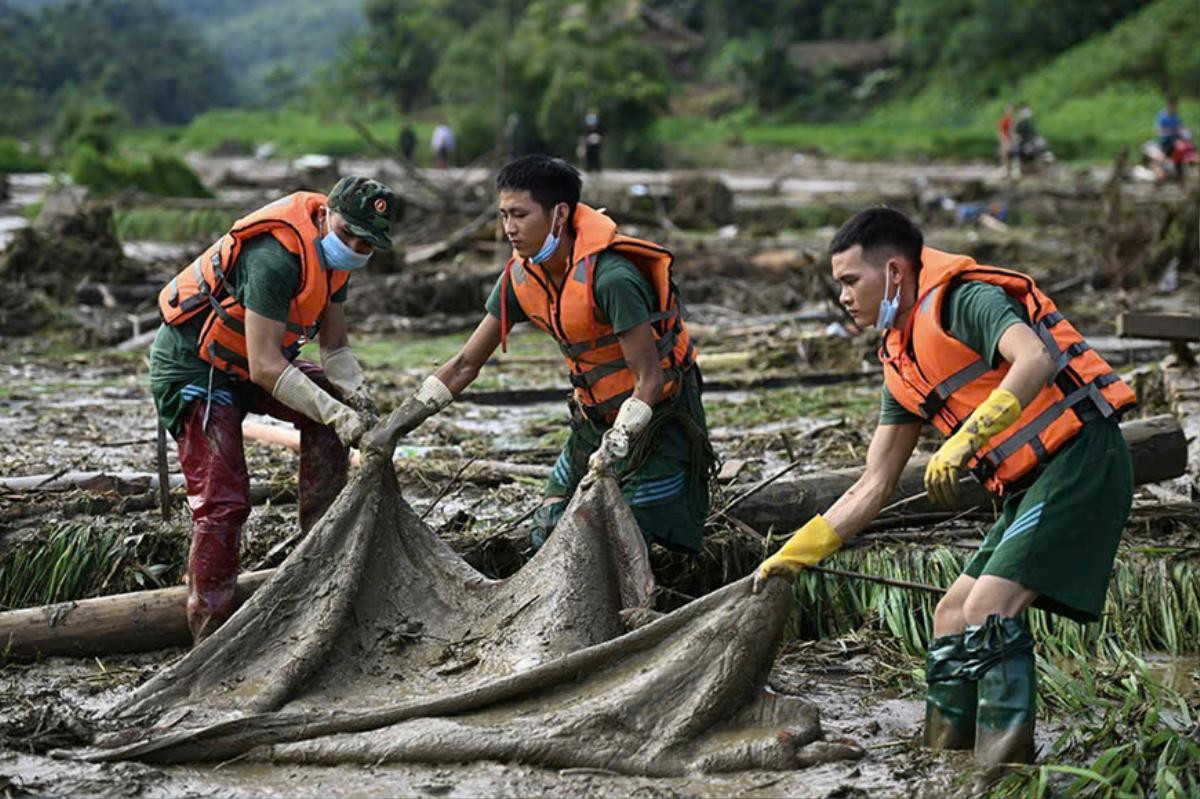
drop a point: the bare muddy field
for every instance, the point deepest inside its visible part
(792, 394)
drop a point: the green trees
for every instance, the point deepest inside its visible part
(133, 53)
(547, 62)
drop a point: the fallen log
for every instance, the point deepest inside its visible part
(1157, 445)
(140, 621)
(753, 380)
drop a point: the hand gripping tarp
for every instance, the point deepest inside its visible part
(375, 642)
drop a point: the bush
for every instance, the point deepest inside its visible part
(16, 156)
(165, 175)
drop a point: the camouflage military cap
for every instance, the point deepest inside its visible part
(369, 208)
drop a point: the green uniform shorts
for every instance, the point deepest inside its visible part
(1059, 537)
(667, 490)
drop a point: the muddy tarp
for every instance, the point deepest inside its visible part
(374, 641)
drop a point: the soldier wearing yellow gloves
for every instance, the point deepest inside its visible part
(1027, 407)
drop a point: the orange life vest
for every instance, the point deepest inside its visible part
(200, 287)
(599, 373)
(942, 380)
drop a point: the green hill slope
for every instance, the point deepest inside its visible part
(1096, 97)
(291, 38)
(258, 37)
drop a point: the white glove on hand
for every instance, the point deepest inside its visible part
(344, 371)
(631, 419)
(434, 394)
(299, 393)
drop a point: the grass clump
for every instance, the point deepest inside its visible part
(1138, 737)
(75, 560)
(164, 175)
(18, 157)
(172, 224)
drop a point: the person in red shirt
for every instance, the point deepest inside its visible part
(1004, 135)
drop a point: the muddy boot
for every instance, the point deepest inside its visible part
(1000, 655)
(212, 581)
(950, 705)
(324, 464)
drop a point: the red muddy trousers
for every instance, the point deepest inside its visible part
(218, 486)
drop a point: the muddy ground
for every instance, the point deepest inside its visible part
(752, 270)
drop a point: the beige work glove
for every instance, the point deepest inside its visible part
(433, 394)
(296, 391)
(808, 546)
(344, 371)
(993, 415)
(632, 419)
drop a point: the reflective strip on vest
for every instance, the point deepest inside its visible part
(1031, 431)
(602, 409)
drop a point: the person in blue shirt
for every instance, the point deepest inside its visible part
(1168, 124)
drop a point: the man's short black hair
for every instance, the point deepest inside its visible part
(549, 181)
(880, 228)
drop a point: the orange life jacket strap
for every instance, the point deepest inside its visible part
(504, 277)
(587, 263)
(218, 350)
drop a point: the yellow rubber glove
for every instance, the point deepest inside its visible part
(994, 415)
(808, 546)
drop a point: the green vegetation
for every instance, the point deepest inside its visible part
(18, 157)
(76, 560)
(171, 224)
(165, 175)
(293, 132)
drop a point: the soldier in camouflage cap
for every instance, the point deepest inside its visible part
(284, 272)
(369, 208)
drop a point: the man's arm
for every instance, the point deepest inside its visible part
(461, 370)
(637, 346)
(890, 449)
(264, 349)
(1032, 366)
(334, 334)
(824, 533)
(271, 372)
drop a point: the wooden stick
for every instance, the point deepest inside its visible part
(871, 578)
(164, 475)
(453, 481)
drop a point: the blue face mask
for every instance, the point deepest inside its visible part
(548, 246)
(338, 255)
(887, 308)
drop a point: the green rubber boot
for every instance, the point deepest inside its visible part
(1000, 659)
(950, 705)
